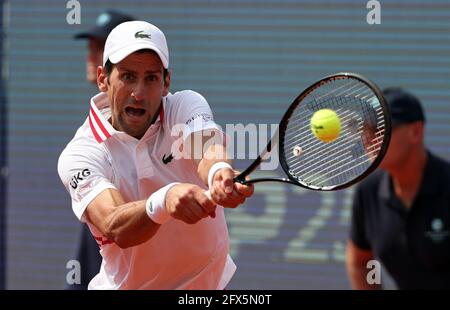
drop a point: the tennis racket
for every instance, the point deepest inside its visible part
(365, 131)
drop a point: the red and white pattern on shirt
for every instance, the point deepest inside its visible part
(102, 241)
(101, 129)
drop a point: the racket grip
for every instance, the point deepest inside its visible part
(208, 194)
(240, 179)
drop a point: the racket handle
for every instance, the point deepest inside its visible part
(240, 179)
(208, 194)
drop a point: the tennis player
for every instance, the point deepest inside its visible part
(147, 209)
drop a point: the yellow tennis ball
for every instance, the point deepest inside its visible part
(325, 125)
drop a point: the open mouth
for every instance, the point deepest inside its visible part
(134, 112)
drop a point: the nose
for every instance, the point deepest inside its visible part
(138, 91)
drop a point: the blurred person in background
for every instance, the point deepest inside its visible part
(401, 213)
(88, 250)
(96, 38)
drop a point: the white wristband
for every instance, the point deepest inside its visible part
(214, 168)
(156, 205)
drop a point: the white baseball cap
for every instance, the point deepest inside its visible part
(132, 36)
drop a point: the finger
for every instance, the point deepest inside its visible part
(218, 194)
(245, 190)
(208, 195)
(204, 202)
(198, 211)
(228, 200)
(186, 215)
(213, 214)
(227, 180)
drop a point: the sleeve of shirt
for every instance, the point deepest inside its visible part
(85, 172)
(357, 229)
(192, 112)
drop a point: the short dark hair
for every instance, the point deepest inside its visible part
(404, 107)
(109, 65)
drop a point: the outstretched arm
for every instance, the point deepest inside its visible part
(212, 168)
(129, 224)
(356, 263)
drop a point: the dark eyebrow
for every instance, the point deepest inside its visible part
(124, 70)
(153, 72)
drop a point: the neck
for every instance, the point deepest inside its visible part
(156, 114)
(406, 178)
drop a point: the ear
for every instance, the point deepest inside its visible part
(102, 79)
(417, 132)
(167, 84)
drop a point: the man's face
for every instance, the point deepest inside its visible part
(94, 58)
(404, 139)
(135, 88)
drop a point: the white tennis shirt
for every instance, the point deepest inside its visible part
(179, 255)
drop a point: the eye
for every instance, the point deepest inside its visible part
(152, 77)
(127, 76)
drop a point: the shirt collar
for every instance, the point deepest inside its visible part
(428, 186)
(384, 190)
(98, 122)
(430, 179)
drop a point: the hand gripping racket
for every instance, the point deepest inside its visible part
(309, 162)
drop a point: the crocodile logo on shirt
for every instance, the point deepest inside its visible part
(167, 159)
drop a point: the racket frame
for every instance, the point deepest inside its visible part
(278, 138)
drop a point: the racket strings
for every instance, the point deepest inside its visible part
(361, 138)
(304, 126)
(307, 139)
(336, 168)
(348, 134)
(321, 182)
(339, 162)
(316, 164)
(305, 112)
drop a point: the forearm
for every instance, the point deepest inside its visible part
(215, 153)
(125, 223)
(129, 225)
(214, 169)
(358, 278)
(357, 270)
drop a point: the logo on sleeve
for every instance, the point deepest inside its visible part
(80, 176)
(203, 116)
